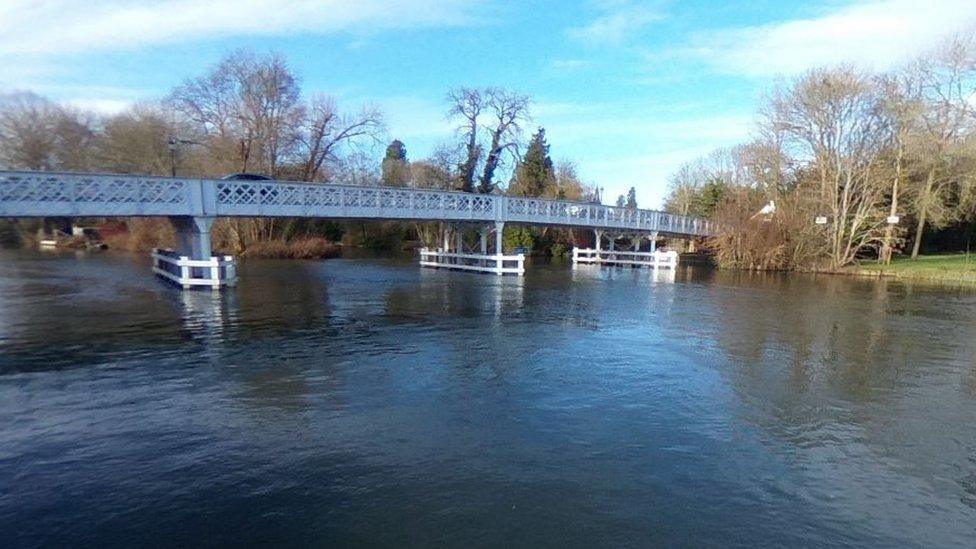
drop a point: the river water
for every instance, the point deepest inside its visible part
(369, 402)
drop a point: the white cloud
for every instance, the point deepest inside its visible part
(71, 26)
(876, 34)
(617, 22)
(101, 106)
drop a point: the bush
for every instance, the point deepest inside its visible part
(304, 248)
(138, 234)
(787, 239)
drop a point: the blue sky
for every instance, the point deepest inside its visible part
(628, 90)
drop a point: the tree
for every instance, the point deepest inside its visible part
(136, 141)
(946, 86)
(395, 168)
(834, 118)
(569, 186)
(534, 174)
(506, 112)
(325, 136)
(37, 134)
(249, 108)
(632, 199)
(467, 103)
(621, 201)
(509, 110)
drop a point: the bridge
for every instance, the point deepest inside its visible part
(193, 204)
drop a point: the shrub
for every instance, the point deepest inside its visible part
(304, 248)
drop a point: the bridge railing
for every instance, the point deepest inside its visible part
(558, 212)
(319, 200)
(31, 194)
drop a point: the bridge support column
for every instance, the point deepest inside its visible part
(446, 237)
(636, 239)
(598, 238)
(483, 239)
(193, 236)
(654, 241)
(499, 230)
(192, 263)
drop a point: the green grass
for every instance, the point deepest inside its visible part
(959, 266)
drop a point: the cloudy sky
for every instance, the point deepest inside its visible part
(629, 90)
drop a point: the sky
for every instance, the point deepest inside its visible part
(628, 90)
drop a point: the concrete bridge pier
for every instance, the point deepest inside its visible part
(193, 236)
(192, 263)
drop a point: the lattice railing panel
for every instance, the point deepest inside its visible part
(44, 194)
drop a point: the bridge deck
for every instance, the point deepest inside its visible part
(50, 194)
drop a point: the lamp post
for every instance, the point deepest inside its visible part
(173, 143)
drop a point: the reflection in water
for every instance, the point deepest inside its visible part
(369, 401)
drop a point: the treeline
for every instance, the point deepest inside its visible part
(249, 114)
(846, 165)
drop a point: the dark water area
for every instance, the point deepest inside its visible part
(367, 402)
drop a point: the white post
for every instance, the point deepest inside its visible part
(483, 235)
(458, 243)
(499, 234)
(230, 269)
(654, 241)
(184, 271)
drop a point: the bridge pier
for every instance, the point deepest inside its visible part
(193, 236)
(478, 261)
(192, 263)
(633, 258)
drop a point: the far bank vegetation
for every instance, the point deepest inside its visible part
(846, 166)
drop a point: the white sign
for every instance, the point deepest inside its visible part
(821, 220)
(893, 219)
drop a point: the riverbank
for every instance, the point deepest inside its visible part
(941, 268)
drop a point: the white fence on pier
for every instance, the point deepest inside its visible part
(617, 257)
(483, 263)
(180, 269)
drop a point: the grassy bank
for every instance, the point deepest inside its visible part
(948, 267)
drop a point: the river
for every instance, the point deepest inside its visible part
(369, 402)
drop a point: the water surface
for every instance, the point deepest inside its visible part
(368, 402)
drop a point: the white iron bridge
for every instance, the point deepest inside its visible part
(50, 194)
(192, 205)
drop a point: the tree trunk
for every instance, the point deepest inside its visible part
(929, 182)
(889, 228)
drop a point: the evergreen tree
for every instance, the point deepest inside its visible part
(535, 174)
(396, 169)
(621, 201)
(632, 199)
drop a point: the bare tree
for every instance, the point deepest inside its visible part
(506, 111)
(946, 86)
(249, 107)
(136, 141)
(325, 132)
(467, 104)
(37, 134)
(834, 117)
